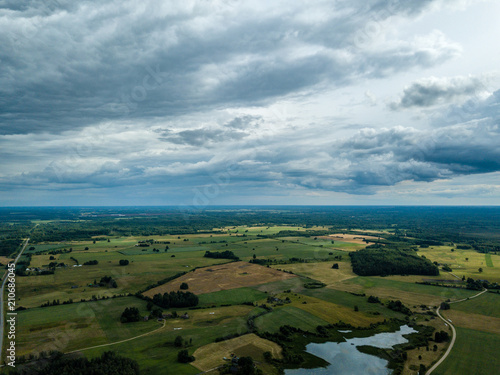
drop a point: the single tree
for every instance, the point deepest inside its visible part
(179, 341)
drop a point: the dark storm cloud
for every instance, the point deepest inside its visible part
(202, 137)
(70, 64)
(431, 91)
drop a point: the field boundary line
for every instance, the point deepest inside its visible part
(454, 332)
(118, 342)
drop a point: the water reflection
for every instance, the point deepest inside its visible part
(345, 359)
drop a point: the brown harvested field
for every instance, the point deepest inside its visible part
(353, 238)
(222, 277)
(5, 260)
(473, 321)
(211, 355)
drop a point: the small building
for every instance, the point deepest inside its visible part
(185, 316)
(146, 318)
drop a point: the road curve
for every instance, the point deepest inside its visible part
(453, 331)
(2, 318)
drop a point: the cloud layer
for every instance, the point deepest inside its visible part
(152, 100)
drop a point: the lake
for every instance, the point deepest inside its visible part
(345, 359)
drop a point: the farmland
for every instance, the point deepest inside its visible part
(222, 277)
(281, 274)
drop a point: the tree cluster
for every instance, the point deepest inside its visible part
(175, 299)
(130, 314)
(441, 336)
(227, 254)
(399, 307)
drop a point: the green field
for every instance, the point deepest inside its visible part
(156, 352)
(378, 282)
(288, 315)
(78, 325)
(487, 304)
(488, 260)
(475, 352)
(350, 300)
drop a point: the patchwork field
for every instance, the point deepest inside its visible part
(223, 287)
(222, 277)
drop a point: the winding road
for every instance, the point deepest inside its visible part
(454, 332)
(2, 318)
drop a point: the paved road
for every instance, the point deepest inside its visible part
(454, 333)
(2, 318)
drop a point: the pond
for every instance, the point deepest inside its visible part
(345, 359)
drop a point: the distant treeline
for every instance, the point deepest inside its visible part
(383, 262)
(478, 227)
(296, 233)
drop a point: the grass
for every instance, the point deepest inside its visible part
(156, 352)
(474, 352)
(288, 315)
(322, 271)
(464, 262)
(222, 277)
(73, 326)
(486, 304)
(142, 271)
(348, 300)
(231, 296)
(331, 312)
(488, 260)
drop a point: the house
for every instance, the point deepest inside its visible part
(146, 318)
(185, 316)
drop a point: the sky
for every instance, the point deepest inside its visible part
(199, 103)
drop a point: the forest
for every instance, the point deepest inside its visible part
(385, 262)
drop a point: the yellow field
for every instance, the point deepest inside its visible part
(222, 277)
(321, 271)
(5, 260)
(212, 355)
(462, 267)
(332, 313)
(473, 321)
